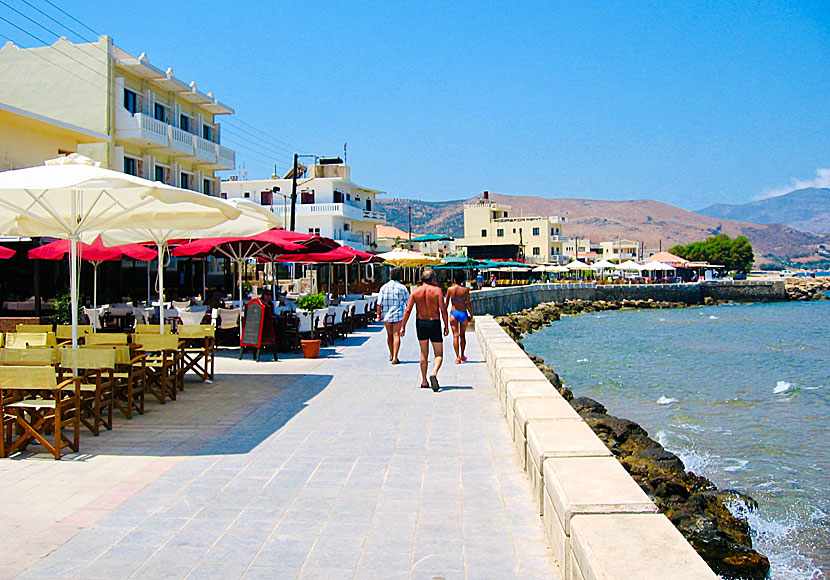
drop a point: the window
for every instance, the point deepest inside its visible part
(130, 102)
(368, 205)
(338, 196)
(535, 231)
(266, 198)
(131, 166)
(186, 180)
(208, 133)
(224, 195)
(247, 195)
(160, 112)
(346, 227)
(483, 233)
(160, 173)
(184, 122)
(536, 251)
(348, 197)
(500, 233)
(307, 197)
(556, 251)
(207, 186)
(314, 231)
(514, 230)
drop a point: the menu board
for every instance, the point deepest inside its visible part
(252, 325)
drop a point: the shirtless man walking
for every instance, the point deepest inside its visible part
(428, 301)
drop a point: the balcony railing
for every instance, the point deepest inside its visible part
(342, 209)
(146, 128)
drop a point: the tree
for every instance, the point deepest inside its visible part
(735, 255)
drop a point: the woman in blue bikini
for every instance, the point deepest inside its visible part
(461, 312)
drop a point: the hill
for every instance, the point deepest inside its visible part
(654, 223)
(803, 209)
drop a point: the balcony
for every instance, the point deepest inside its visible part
(557, 238)
(151, 133)
(339, 209)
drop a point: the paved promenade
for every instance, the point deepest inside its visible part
(336, 468)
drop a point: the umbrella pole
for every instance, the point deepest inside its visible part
(95, 287)
(161, 288)
(204, 279)
(346, 265)
(149, 296)
(239, 271)
(73, 284)
(273, 277)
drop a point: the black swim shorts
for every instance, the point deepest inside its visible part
(429, 330)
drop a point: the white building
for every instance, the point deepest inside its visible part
(620, 250)
(328, 204)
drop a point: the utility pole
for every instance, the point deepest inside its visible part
(294, 193)
(410, 225)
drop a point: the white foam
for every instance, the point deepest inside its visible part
(781, 387)
(666, 400)
(739, 465)
(713, 317)
(582, 360)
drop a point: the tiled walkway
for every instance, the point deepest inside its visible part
(335, 468)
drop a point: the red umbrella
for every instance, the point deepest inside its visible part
(96, 252)
(341, 255)
(272, 243)
(6, 253)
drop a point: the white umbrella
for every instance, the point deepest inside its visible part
(655, 266)
(630, 266)
(73, 198)
(540, 268)
(577, 265)
(251, 219)
(604, 265)
(409, 258)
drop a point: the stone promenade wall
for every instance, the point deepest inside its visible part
(501, 301)
(601, 524)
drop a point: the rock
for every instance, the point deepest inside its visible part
(581, 404)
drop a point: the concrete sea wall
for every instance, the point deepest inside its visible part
(601, 524)
(504, 300)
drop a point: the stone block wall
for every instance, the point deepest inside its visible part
(504, 300)
(601, 524)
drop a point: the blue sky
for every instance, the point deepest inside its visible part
(690, 103)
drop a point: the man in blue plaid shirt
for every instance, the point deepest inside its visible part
(392, 301)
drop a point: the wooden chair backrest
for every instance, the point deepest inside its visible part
(30, 339)
(122, 352)
(87, 358)
(106, 338)
(26, 378)
(29, 356)
(196, 331)
(229, 318)
(34, 328)
(157, 342)
(150, 328)
(64, 331)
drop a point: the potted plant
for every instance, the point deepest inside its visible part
(310, 303)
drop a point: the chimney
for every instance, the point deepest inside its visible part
(486, 195)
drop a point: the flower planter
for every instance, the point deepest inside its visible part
(311, 348)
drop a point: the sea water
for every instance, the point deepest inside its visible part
(740, 392)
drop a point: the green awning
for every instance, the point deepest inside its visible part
(432, 238)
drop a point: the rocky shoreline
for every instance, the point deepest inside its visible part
(803, 289)
(693, 503)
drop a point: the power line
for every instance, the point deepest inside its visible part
(40, 56)
(33, 7)
(64, 12)
(260, 144)
(292, 148)
(270, 143)
(267, 153)
(46, 44)
(263, 156)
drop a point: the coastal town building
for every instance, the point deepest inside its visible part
(328, 204)
(390, 238)
(100, 101)
(620, 250)
(490, 231)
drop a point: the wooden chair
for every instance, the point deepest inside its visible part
(291, 336)
(163, 365)
(129, 378)
(34, 402)
(152, 328)
(326, 332)
(192, 318)
(96, 372)
(181, 304)
(107, 338)
(35, 328)
(198, 352)
(30, 339)
(63, 332)
(45, 356)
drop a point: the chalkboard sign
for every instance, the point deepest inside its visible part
(252, 325)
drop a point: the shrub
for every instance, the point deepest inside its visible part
(311, 302)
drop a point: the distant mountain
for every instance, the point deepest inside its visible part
(654, 223)
(803, 209)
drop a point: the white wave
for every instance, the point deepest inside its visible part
(781, 387)
(739, 465)
(713, 317)
(582, 360)
(666, 400)
(814, 388)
